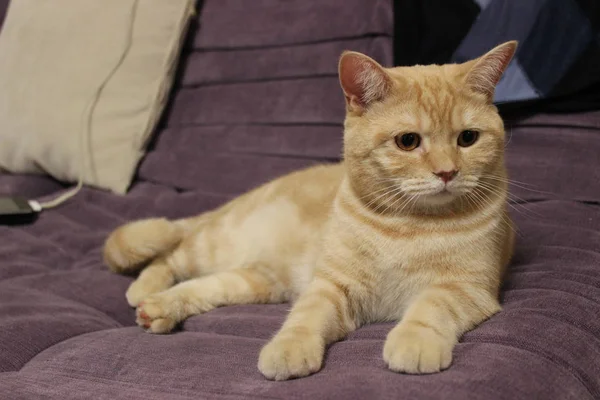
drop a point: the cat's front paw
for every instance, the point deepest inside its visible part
(155, 314)
(417, 349)
(289, 356)
(139, 290)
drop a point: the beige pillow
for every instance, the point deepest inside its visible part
(85, 81)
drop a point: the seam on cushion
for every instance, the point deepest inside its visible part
(102, 313)
(557, 246)
(57, 272)
(366, 38)
(557, 361)
(73, 221)
(104, 211)
(582, 271)
(193, 392)
(186, 190)
(254, 154)
(85, 228)
(65, 340)
(184, 125)
(366, 35)
(555, 317)
(77, 376)
(287, 156)
(569, 126)
(524, 271)
(223, 334)
(35, 274)
(505, 290)
(567, 276)
(87, 204)
(61, 341)
(258, 80)
(68, 220)
(28, 262)
(562, 225)
(44, 240)
(564, 276)
(592, 285)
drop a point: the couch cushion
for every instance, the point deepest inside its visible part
(554, 156)
(67, 331)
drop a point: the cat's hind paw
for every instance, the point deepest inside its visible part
(152, 314)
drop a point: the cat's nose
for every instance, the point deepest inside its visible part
(446, 176)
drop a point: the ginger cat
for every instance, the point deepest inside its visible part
(411, 227)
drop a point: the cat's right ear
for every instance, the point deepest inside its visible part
(363, 80)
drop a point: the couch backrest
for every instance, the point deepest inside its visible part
(258, 94)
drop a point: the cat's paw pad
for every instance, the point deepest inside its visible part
(417, 349)
(291, 356)
(153, 315)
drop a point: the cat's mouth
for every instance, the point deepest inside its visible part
(443, 196)
(437, 193)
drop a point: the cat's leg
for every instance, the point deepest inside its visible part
(161, 274)
(156, 277)
(160, 312)
(424, 339)
(156, 247)
(321, 315)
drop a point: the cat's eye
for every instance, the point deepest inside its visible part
(467, 138)
(408, 141)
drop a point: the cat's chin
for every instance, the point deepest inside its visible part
(439, 199)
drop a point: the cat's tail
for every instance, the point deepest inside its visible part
(133, 245)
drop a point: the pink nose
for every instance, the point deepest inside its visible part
(446, 176)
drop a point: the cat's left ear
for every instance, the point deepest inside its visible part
(363, 80)
(488, 69)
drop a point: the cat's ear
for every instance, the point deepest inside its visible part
(487, 70)
(363, 80)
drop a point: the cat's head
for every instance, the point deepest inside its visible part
(425, 134)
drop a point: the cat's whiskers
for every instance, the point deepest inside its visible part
(377, 191)
(482, 201)
(516, 200)
(482, 194)
(412, 204)
(521, 185)
(411, 197)
(393, 192)
(399, 192)
(475, 204)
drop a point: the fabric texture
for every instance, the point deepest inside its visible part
(83, 83)
(66, 331)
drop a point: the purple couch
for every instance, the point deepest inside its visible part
(258, 97)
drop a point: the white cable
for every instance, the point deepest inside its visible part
(86, 131)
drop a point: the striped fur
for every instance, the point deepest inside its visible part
(374, 238)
